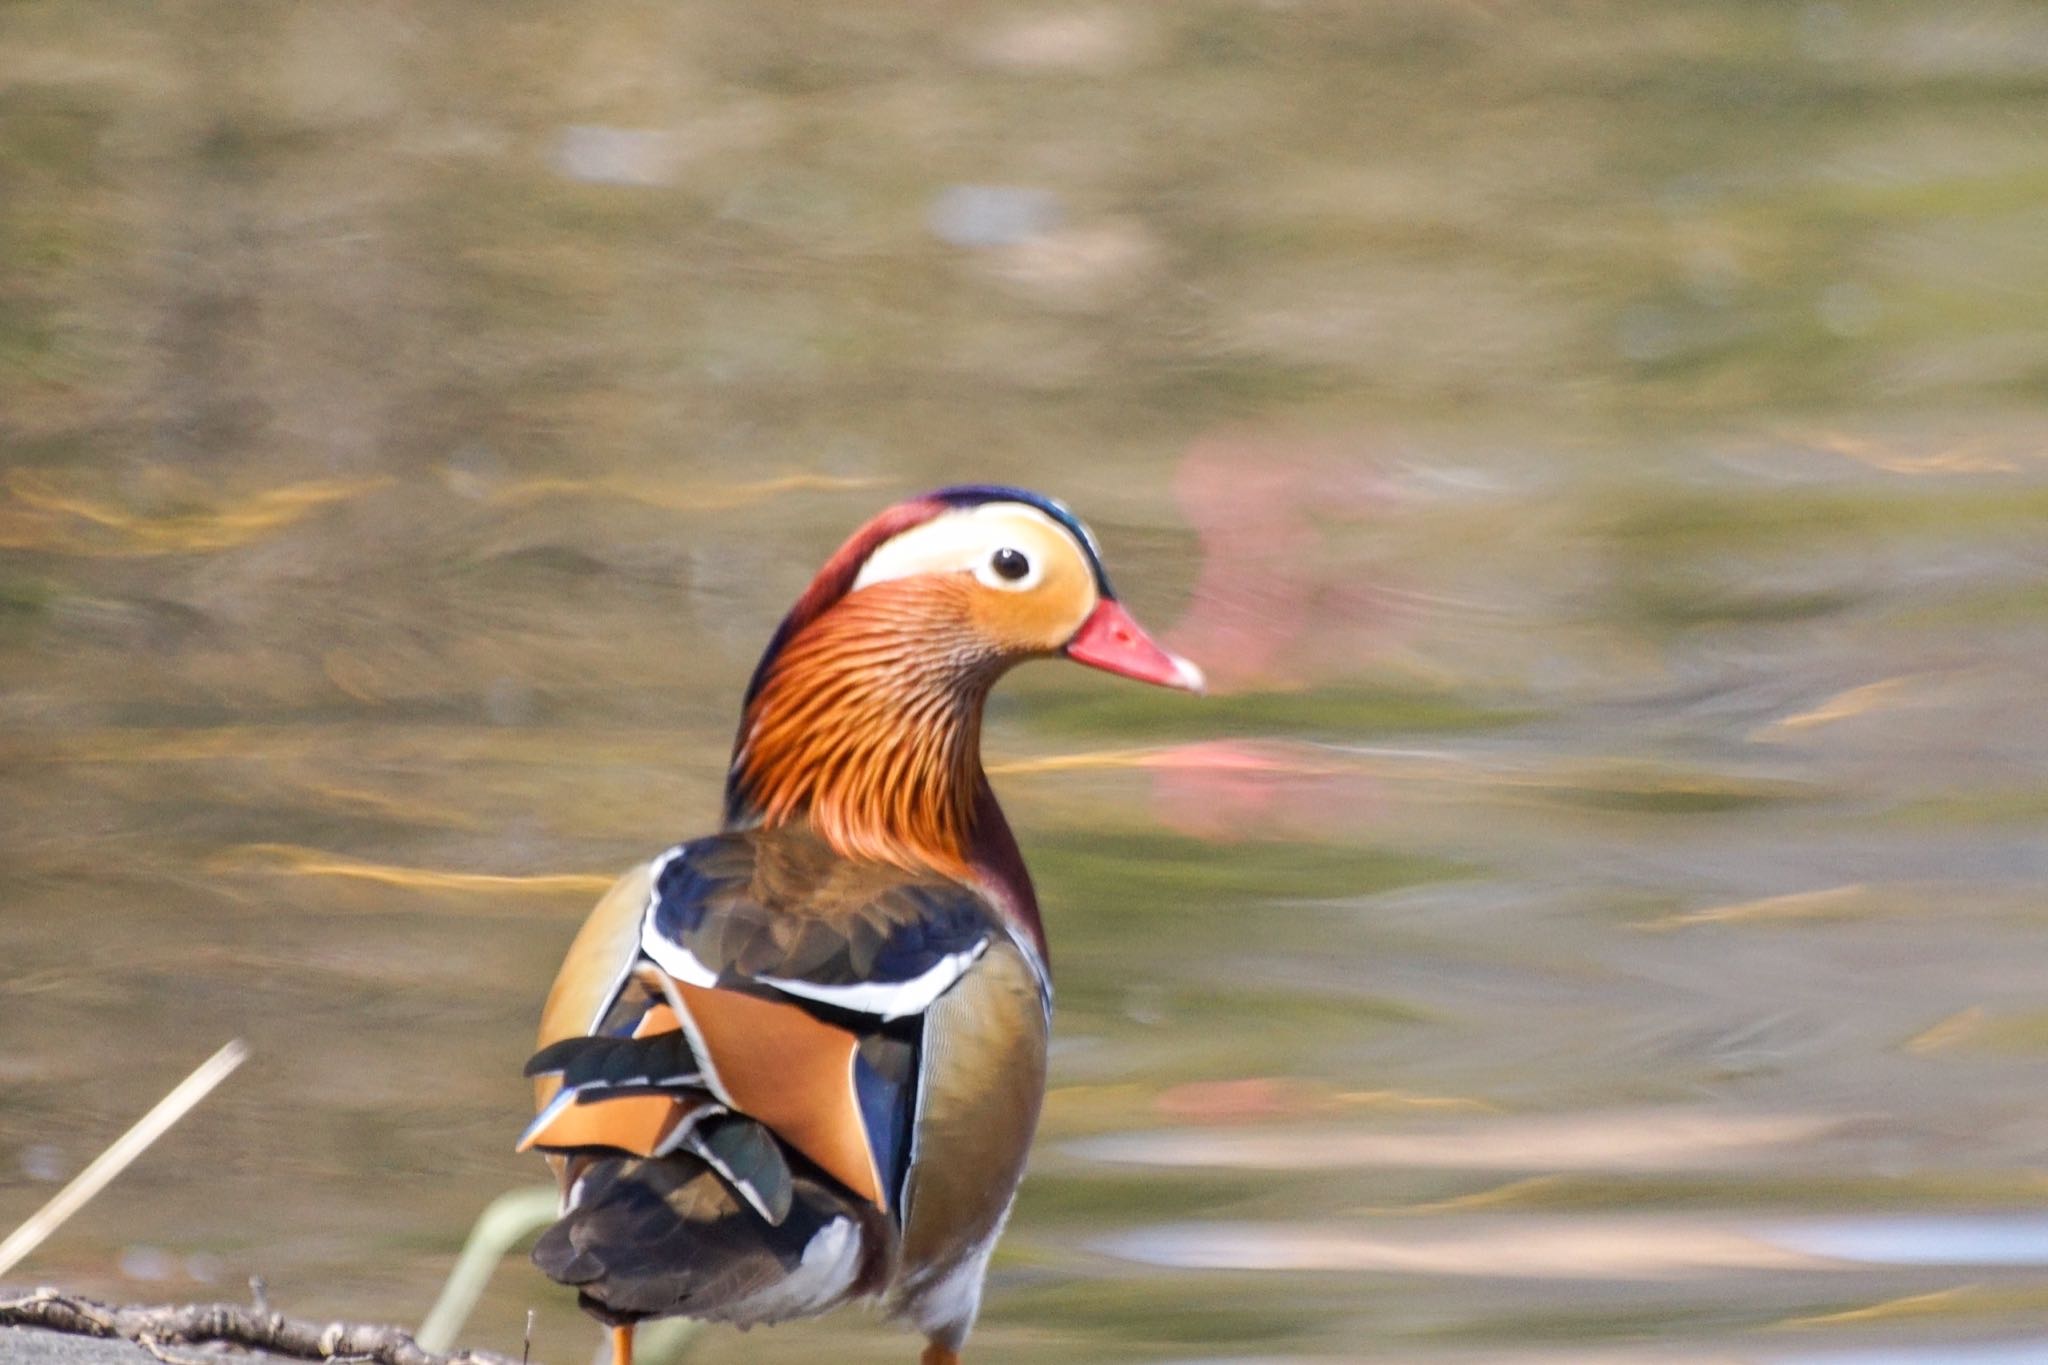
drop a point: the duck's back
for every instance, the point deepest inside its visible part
(778, 1078)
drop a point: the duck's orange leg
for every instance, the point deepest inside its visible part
(935, 1354)
(622, 1345)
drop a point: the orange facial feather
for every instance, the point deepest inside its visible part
(868, 723)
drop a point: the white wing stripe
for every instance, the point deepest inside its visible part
(883, 999)
(555, 1106)
(886, 999)
(673, 958)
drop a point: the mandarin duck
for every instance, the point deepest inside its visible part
(798, 1063)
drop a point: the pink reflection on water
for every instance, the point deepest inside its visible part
(1246, 1099)
(1226, 790)
(1272, 605)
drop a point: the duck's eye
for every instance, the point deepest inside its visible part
(1009, 563)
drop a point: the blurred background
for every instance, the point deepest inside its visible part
(1598, 450)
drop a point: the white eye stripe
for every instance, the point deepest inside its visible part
(965, 540)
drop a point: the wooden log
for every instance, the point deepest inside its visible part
(156, 1331)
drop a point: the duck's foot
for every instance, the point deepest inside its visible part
(935, 1354)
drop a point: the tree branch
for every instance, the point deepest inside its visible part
(189, 1324)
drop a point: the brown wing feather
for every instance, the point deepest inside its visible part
(639, 1124)
(778, 1064)
(636, 1123)
(658, 1019)
(983, 1083)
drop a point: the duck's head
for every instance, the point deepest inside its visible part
(865, 711)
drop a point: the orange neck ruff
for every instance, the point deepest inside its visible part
(868, 724)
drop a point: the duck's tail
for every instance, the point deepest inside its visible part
(669, 1237)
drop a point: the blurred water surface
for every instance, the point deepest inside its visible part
(1598, 449)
